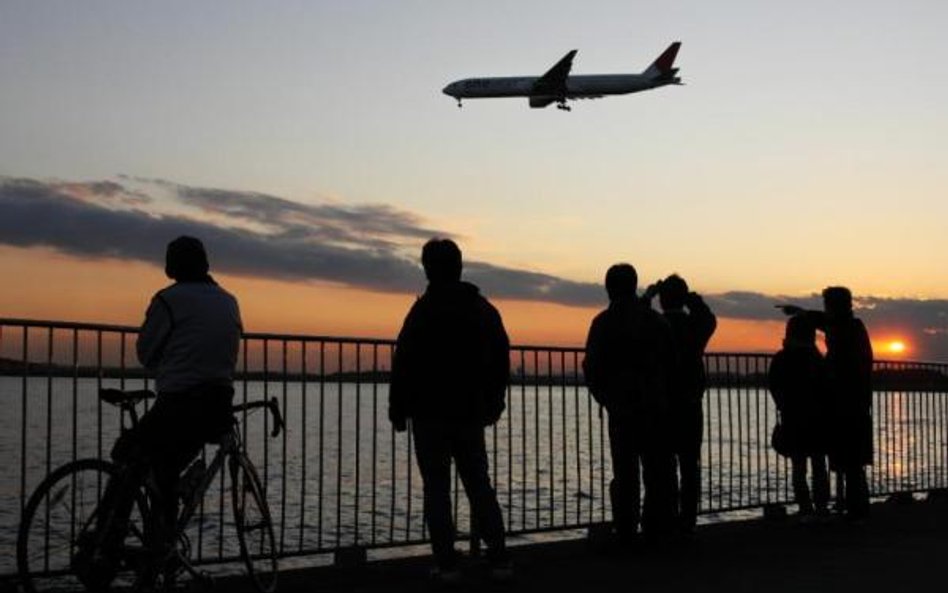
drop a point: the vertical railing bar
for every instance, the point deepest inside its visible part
(890, 439)
(510, 454)
(266, 419)
(23, 415)
(200, 522)
(221, 490)
(394, 456)
(761, 432)
(49, 401)
(721, 361)
(536, 434)
(98, 400)
(339, 457)
(284, 345)
(903, 438)
(322, 451)
(358, 439)
(552, 457)
(602, 465)
(304, 393)
(75, 394)
(576, 425)
(877, 419)
(49, 439)
(523, 440)
(707, 452)
(591, 452)
(564, 439)
(408, 442)
(741, 395)
(375, 432)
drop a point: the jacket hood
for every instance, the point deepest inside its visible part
(452, 291)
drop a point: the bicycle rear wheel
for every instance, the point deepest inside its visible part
(254, 524)
(60, 517)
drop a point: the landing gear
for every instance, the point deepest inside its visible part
(459, 103)
(563, 106)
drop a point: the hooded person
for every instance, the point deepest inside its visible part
(449, 377)
(797, 382)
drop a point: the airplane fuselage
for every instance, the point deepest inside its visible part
(558, 86)
(577, 86)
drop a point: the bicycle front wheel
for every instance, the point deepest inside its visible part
(254, 524)
(59, 519)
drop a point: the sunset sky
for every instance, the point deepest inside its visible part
(309, 145)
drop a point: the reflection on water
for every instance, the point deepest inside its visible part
(339, 476)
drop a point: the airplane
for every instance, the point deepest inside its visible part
(557, 86)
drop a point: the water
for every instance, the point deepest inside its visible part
(339, 476)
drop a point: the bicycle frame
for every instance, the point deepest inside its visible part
(230, 445)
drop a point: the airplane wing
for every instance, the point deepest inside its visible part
(553, 83)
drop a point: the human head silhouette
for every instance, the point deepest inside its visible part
(186, 260)
(838, 302)
(800, 331)
(621, 282)
(673, 292)
(441, 259)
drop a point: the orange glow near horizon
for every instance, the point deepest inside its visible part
(53, 286)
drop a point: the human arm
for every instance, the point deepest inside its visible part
(402, 371)
(154, 333)
(593, 363)
(704, 320)
(777, 380)
(498, 375)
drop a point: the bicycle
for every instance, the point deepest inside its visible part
(60, 518)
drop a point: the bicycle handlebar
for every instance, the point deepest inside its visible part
(273, 406)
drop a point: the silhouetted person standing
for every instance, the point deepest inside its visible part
(692, 324)
(628, 360)
(849, 366)
(449, 376)
(797, 381)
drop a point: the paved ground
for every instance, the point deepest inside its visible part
(901, 548)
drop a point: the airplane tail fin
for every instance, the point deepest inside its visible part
(663, 66)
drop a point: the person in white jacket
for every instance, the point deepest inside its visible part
(189, 339)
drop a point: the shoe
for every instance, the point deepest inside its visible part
(447, 571)
(445, 576)
(92, 568)
(500, 566)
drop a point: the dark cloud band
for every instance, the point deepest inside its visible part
(373, 247)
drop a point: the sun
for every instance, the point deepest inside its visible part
(896, 347)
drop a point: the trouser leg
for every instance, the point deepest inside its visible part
(801, 490)
(840, 504)
(857, 491)
(624, 489)
(661, 500)
(689, 467)
(821, 487)
(433, 453)
(470, 455)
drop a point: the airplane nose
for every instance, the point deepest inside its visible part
(449, 90)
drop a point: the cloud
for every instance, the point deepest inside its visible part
(373, 247)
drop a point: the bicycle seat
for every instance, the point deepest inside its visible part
(117, 397)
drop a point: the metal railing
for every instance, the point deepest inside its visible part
(339, 477)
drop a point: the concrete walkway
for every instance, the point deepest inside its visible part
(901, 548)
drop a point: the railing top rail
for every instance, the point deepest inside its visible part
(273, 336)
